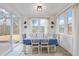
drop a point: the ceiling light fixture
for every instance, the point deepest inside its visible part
(39, 8)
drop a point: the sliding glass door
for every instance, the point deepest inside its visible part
(15, 35)
(5, 23)
(9, 31)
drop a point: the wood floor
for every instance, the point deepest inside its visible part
(18, 51)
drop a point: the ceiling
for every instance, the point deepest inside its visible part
(29, 9)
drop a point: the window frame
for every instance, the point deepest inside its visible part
(70, 33)
(62, 24)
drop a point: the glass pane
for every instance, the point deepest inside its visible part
(69, 15)
(39, 27)
(42, 22)
(4, 33)
(61, 24)
(16, 35)
(35, 22)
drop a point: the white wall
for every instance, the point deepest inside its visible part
(28, 29)
(52, 30)
(66, 42)
(71, 42)
(76, 31)
(25, 30)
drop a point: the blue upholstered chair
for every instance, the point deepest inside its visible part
(26, 42)
(53, 43)
(44, 44)
(36, 44)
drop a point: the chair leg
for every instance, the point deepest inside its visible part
(48, 49)
(41, 49)
(55, 48)
(24, 49)
(32, 49)
(38, 50)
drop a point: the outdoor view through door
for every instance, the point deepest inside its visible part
(9, 31)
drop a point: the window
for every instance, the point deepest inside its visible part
(39, 22)
(39, 26)
(69, 17)
(61, 24)
(42, 22)
(35, 22)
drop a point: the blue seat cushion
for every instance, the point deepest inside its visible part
(27, 42)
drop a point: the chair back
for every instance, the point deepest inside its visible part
(44, 41)
(53, 42)
(24, 36)
(35, 41)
